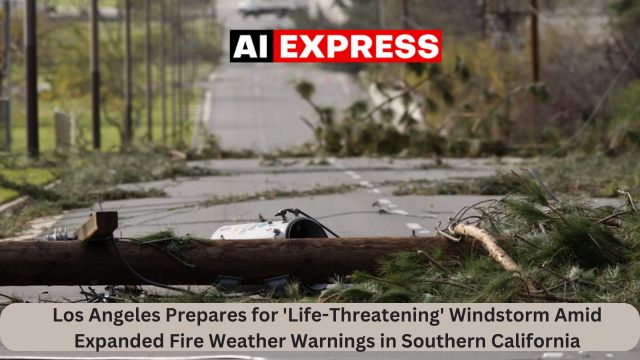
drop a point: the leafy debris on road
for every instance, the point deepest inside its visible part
(278, 194)
(594, 175)
(560, 251)
(499, 184)
(93, 178)
(570, 251)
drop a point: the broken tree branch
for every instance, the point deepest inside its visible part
(489, 243)
(495, 251)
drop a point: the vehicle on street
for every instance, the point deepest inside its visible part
(256, 8)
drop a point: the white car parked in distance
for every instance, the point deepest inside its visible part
(256, 8)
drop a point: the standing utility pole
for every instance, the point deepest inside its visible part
(31, 77)
(7, 74)
(128, 126)
(172, 65)
(163, 80)
(405, 14)
(147, 60)
(191, 56)
(535, 46)
(381, 19)
(180, 69)
(95, 75)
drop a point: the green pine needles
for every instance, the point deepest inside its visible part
(571, 251)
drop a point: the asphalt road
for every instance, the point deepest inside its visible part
(192, 204)
(255, 106)
(354, 213)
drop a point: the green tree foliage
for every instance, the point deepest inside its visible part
(624, 127)
(571, 252)
(628, 13)
(464, 114)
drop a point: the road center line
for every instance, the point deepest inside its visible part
(414, 226)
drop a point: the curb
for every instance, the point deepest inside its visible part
(16, 203)
(11, 205)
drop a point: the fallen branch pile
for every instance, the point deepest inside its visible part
(528, 246)
(552, 250)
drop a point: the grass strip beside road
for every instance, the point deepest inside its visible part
(31, 175)
(86, 179)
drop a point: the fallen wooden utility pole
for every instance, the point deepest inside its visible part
(310, 260)
(95, 257)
